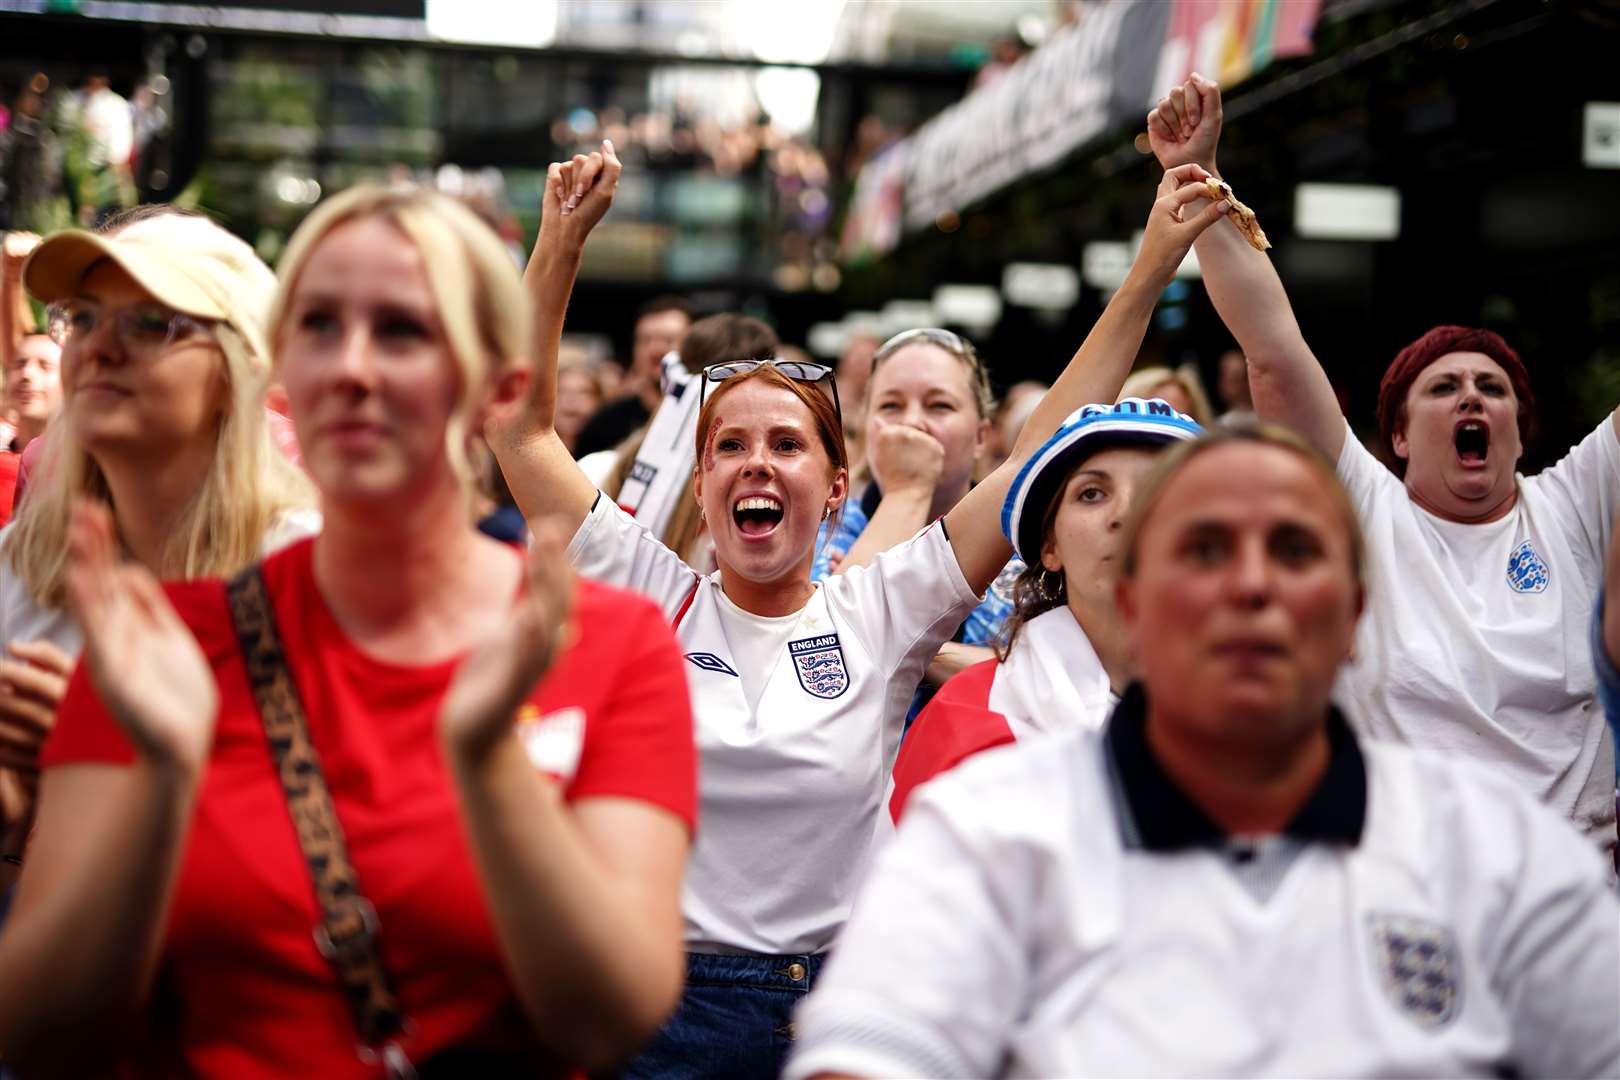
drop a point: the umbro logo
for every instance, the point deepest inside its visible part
(710, 662)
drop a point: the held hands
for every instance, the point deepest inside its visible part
(145, 662)
(1185, 126)
(578, 193)
(496, 677)
(1175, 222)
(905, 458)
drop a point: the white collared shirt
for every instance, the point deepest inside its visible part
(1010, 929)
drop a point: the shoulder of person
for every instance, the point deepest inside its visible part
(613, 606)
(288, 527)
(1020, 791)
(1462, 818)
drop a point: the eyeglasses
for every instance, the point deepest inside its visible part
(141, 329)
(797, 370)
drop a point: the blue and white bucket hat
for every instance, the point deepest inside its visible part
(1090, 428)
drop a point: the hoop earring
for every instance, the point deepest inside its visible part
(1051, 584)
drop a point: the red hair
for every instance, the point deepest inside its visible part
(820, 405)
(1442, 341)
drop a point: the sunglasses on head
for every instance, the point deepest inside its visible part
(797, 370)
(955, 344)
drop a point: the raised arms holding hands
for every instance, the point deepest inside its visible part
(1097, 370)
(1288, 384)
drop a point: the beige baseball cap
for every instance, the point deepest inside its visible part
(186, 262)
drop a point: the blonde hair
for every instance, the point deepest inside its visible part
(1143, 382)
(476, 289)
(247, 489)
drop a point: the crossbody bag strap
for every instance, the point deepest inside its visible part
(347, 932)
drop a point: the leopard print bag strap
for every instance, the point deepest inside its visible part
(347, 933)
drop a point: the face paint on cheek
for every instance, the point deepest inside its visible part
(708, 448)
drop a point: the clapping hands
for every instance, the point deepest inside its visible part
(502, 671)
(144, 660)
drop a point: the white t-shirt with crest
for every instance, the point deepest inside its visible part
(793, 756)
(1475, 637)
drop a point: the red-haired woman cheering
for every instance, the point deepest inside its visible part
(799, 688)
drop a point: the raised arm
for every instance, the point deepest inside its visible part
(585, 897)
(1287, 381)
(81, 945)
(542, 475)
(1095, 372)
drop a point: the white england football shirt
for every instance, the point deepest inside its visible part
(1475, 639)
(789, 790)
(1023, 924)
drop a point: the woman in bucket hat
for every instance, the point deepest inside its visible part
(1064, 659)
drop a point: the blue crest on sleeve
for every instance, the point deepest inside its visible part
(1526, 570)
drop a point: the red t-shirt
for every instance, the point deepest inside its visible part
(10, 461)
(242, 991)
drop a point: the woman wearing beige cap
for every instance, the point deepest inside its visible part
(162, 323)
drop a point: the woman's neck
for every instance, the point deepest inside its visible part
(769, 599)
(149, 498)
(1100, 623)
(391, 569)
(1245, 788)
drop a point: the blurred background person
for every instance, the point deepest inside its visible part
(660, 325)
(579, 396)
(30, 163)
(109, 140)
(1180, 386)
(161, 326)
(1233, 386)
(33, 392)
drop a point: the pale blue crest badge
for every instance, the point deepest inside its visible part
(1417, 965)
(1527, 570)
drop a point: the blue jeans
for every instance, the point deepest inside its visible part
(734, 1022)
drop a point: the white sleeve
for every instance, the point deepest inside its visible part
(908, 601)
(612, 546)
(1584, 491)
(1556, 964)
(931, 970)
(1364, 477)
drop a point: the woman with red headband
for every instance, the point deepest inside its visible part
(1477, 639)
(799, 688)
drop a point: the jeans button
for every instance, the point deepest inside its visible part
(795, 971)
